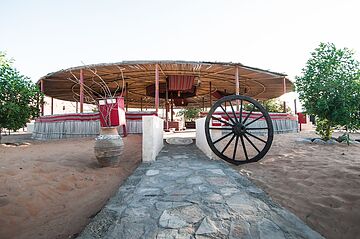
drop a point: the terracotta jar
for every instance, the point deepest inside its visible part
(109, 147)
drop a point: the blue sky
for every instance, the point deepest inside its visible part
(46, 36)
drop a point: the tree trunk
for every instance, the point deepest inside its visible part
(328, 131)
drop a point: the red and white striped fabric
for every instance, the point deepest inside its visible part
(69, 117)
(253, 115)
(180, 82)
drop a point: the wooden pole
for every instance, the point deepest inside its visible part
(210, 94)
(284, 90)
(52, 105)
(237, 86)
(203, 103)
(172, 110)
(141, 104)
(166, 107)
(157, 88)
(77, 107)
(42, 91)
(81, 91)
(127, 96)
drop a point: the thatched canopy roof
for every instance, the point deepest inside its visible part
(254, 82)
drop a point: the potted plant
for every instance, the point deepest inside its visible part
(110, 103)
(109, 144)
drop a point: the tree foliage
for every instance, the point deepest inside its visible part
(272, 105)
(329, 88)
(190, 114)
(19, 98)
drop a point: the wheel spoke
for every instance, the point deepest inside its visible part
(227, 145)
(249, 114)
(255, 137)
(233, 111)
(236, 143)
(257, 128)
(241, 109)
(247, 138)
(254, 120)
(221, 128)
(223, 137)
(227, 114)
(223, 121)
(244, 148)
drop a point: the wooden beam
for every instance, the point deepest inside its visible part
(166, 106)
(210, 94)
(284, 91)
(42, 91)
(52, 105)
(237, 86)
(81, 91)
(203, 103)
(157, 88)
(127, 95)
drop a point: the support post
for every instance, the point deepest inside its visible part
(52, 105)
(127, 96)
(284, 90)
(77, 107)
(210, 94)
(42, 91)
(157, 88)
(81, 91)
(141, 104)
(172, 110)
(203, 103)
(237, 86)
(166, 107)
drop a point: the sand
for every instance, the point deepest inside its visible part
(51, 189)
(319, 183)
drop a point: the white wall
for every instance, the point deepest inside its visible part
(201, 141)
(153, 137)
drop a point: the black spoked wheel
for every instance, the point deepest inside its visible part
(238, 129)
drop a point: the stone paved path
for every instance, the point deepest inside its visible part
(183, 194)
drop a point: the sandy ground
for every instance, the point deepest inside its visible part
(52, 189)
(319, 183)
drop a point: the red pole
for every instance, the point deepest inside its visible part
(157, 88)
(284, 90)
(210, 94)
(127, 96)
(237, 86)
(42, 91)
(52, 105)
(81, 91)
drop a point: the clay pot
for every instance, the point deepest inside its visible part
(109, 147)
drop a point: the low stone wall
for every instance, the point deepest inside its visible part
(201, 141)
(153, 137)
(282, 123)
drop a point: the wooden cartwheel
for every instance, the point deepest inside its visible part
(239, 120)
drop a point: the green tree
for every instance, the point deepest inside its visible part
(190, 114)
(329, 88)
(19, 98)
